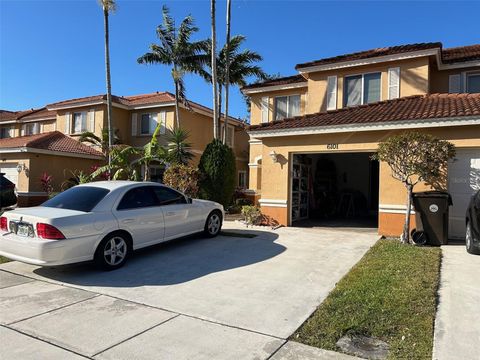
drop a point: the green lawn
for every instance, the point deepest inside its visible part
(3, 259)
(390, 294)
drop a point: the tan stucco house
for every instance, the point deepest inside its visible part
(312, 134)
(134, 117)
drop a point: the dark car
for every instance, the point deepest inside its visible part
(7, 192)
(472, 234)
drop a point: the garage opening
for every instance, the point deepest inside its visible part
(334, 190)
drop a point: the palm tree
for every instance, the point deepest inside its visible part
(227, 70)
(213, 66)
(102, 142)
(151, 152)
(179, 150)
(176, 50)
(108, 6)
(241, 66)
(122, 165)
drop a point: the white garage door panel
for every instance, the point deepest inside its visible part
(11, 172)
(463, 182)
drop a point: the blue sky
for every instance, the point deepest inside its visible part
(53, 50)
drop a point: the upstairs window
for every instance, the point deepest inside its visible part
(148, 124)
(287, 106)
(362, 89)
(6, 132)
(473, 83)
(79, 122)
(31, 128)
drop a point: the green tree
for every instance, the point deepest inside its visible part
(183, 178)
(179, 150)
(242, 65)
(151, 152)
(414, 157)
(102, 142)
(176, 50)
(122, 164)
(108, 6)
(218, 173)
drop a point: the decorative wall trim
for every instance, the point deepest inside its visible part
(394, 209)
(49, 152)
(273, 202)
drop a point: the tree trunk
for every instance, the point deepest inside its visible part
(227, 71)
(219, 113)
(146, 172)
(177, 110)
(214, 71)
(406, 228)
(109, 85)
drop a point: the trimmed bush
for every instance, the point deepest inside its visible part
(218, 173)
(183, 178)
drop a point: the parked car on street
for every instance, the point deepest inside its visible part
(8, 197)
(472, 234)
(104, 221)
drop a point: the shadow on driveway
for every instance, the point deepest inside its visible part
(174, 262)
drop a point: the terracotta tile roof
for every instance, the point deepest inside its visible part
(391, 50)
(6, 115)
(280, 81)
(42, 113)
(117, 99)
(461, 54)
(156, 97)
(408, 108)
(54, 141)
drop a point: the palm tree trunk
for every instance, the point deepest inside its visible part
(219, 113)
(109, 85)
(227, 70)
(177, 110)
(214, 71)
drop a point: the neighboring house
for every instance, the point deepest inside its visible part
(24, 159)
(135, 118)
(312, 134)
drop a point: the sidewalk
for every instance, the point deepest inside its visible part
(457, 325)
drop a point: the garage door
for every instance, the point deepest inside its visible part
(463, 182)
(11, 172)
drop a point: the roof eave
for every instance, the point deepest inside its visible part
(268, 88)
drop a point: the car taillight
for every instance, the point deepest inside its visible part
(3, 223)
(47, 231)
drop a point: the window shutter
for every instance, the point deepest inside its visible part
(331, 93)
(68, 126)
(264, 106)
(393, 83)
(454, 84)
(163, 122)
(134, 124)
(91, 120)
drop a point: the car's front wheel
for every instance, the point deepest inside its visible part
(213, 225)
(469, 240)
(112, 252)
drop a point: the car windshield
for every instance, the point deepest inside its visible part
(80, 198)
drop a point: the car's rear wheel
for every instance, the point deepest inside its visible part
(469, 240)
(213, 225)
(112, 252)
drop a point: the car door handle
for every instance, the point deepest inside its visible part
(128, 221)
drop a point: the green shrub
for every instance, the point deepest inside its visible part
(252, 214)
(218, 173)
(183, 178)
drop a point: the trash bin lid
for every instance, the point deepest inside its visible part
(433, 194)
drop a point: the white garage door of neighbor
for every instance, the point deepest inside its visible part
(11, 172)
(463, 182)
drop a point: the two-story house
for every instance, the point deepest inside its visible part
(312, 135)
(134, 118)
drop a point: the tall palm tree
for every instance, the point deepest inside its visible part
(242, 65)
(102, 142)
(179, 150)
(227, 69)
(176, 50)
(108, 6)
(213, 66)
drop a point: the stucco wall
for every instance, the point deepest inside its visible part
(439, 80)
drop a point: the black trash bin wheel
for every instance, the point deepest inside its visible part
(419, 237)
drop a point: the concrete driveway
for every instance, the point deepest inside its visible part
(227, 297)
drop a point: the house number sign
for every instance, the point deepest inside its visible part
(332, 146)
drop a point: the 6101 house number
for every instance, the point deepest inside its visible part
(332, 146)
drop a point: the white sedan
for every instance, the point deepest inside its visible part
(104, 221)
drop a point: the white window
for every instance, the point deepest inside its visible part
(242, 179)
(230, 135)
(362, 89)
(31, 128)
(79, 122)
(148, 124)
(6, 132)
(331, 93)
(393, 83)
(473, 83)
(287, 106)
(265, 109)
